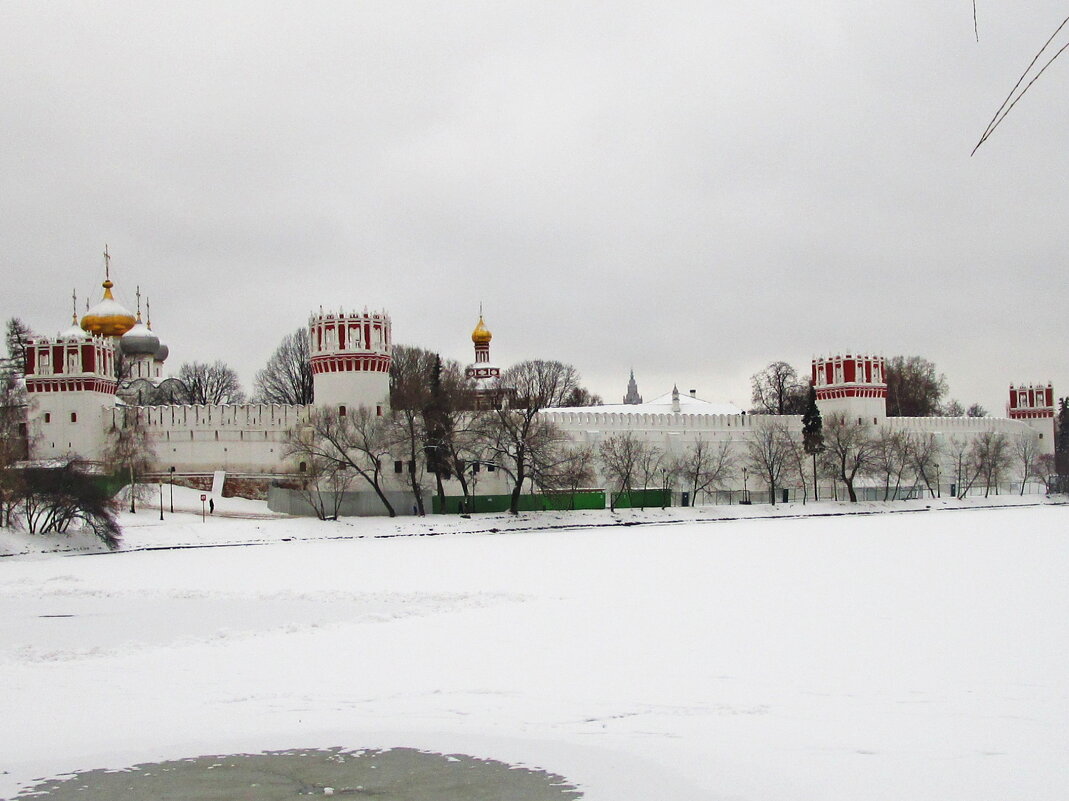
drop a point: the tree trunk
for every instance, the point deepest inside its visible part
(382, 497)
(441, 490)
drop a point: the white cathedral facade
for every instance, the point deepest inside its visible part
(74, 402)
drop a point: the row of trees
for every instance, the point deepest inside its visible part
(437, 425)
(914, 389)
(895, 460)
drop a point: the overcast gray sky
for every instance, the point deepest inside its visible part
(689, 189)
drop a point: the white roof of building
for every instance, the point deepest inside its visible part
(661, 405)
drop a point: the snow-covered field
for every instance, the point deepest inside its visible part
(883, 656)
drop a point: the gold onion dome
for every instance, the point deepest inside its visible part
(481, 335)
(109, 318)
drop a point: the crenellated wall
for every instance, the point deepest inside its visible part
(233, 437)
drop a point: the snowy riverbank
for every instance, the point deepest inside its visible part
(834, 656)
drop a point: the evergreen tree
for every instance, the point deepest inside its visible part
(1061, 438)
(18, 335)
(813, 433)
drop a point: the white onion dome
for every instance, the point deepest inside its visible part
(139, 341)
(162, 352)
(109, 318)
(75, 331)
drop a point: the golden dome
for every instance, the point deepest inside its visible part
(481, 335)
(109, 318)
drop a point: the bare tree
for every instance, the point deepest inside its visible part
(129, 449)
(796, 463)
(571, 470)
(287, 376)
(924, 452)
(778, 390)
(1026, 452)
(768, 452)
(1031, 74)
(706, 466)
(891, 460)
(990, 456)
(581, 396)
(618, 456)
(966, 469)
(654, 469)
(358, 440)
(55, 499)
(14, 442)
(515, 433)
(209, 383)
(411, 375)
(1047, 472)
(849, 451)
(914, 388)
(324, 485)
(453, 443)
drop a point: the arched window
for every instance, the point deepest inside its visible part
(341, 411)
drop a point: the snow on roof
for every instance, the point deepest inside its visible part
(661, 405)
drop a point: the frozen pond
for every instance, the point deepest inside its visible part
(397, 774)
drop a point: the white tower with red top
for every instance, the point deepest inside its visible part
(70, 381)
(350, 355)
(853, 385)
(1034, 405)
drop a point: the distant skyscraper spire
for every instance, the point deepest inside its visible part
(632, 397)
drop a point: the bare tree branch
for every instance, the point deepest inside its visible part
(1011, 101)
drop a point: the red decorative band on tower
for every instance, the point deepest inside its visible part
(1031, 414)
(367, 363)
(104, 385)
(827, 393)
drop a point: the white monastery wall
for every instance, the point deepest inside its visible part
(244, 438)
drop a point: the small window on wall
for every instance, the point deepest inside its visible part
(48, 418)
(398, 466)
(489, 468)
(302, 467)
(74, 417)
(341, 411)
(378, 411)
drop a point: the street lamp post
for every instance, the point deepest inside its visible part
(172, 489)
(161, 499)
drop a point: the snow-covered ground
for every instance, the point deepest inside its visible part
(701, 655)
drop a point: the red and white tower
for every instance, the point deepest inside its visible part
(350, 355)
(1034, 405)
(853, 385)
(71, 381)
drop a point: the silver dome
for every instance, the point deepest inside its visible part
(139, 341)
